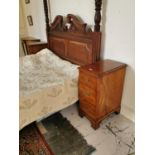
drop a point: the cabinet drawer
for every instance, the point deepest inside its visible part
(87, 80)
(87, 94)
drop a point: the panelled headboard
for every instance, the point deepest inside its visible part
(72, 39)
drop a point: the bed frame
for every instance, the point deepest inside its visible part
(71, 39)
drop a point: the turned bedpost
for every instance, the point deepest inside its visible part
(97, 17)
(46, 14)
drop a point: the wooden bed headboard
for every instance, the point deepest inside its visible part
(72, 39)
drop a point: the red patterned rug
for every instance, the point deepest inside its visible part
(31, 142)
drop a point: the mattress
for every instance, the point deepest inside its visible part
(47, 85)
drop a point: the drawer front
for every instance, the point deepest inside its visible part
(87, 80)
(87, 107)
(87, 94)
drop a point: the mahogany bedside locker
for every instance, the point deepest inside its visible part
(100, 90)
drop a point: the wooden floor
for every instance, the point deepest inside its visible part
(114, 137)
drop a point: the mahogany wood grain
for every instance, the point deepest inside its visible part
(100, 89)
(34, 47)
(77, 43)
(103, 67)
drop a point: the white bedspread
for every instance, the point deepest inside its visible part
(47, 84)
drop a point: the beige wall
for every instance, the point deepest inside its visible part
(117, 29)
(35, 9)
(22, 22)
(119, 45)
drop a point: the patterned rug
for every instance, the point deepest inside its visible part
(31, 142)
(63, 138)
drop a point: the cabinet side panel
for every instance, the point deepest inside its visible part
(111, 91)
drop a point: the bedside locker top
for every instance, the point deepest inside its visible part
(103, 66)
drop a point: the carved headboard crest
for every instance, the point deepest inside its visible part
(57, 24)
(81, 27)
(71, 24)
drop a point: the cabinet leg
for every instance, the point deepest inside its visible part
(118, 111)
(95, 125)
(81, 114)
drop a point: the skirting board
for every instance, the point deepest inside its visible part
(128, 112)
